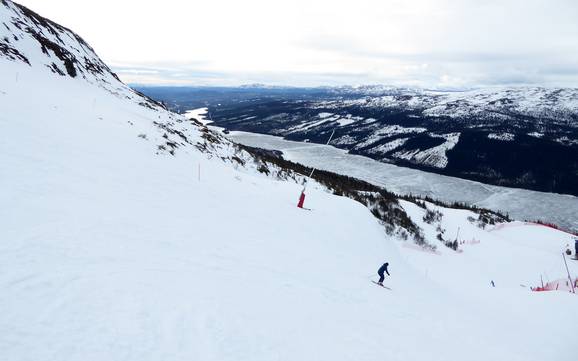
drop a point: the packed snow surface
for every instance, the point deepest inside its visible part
(519, 203)
(109, 251)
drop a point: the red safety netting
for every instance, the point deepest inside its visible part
(557, 285)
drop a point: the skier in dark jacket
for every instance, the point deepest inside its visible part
(380, 273)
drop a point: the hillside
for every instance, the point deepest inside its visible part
(128, 232)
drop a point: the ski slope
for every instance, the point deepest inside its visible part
(112, 248)
(110, 251)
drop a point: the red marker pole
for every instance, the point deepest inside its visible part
(301, 199)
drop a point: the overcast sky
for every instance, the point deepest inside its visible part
(427, 43)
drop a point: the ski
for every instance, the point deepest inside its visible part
(381, 285)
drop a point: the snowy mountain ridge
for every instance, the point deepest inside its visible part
(130, 232)
(559, 104)
(30, 38)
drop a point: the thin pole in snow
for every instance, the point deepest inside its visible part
(542, 281)
(199, 172)
(568, 271)
(330, 137)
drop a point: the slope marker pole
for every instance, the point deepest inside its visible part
(330, 137)
(541, 280)
(568, 271)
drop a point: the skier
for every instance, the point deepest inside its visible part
(380, 273)
(576, 248)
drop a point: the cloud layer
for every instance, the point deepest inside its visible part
(428, 43)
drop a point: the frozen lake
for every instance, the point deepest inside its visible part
(520, 204)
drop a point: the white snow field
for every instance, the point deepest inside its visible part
(112, 248)
(109, 251)
(561, 209)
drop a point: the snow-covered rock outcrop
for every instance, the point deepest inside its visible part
(34, 40)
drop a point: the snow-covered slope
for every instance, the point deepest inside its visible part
(129, 233)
